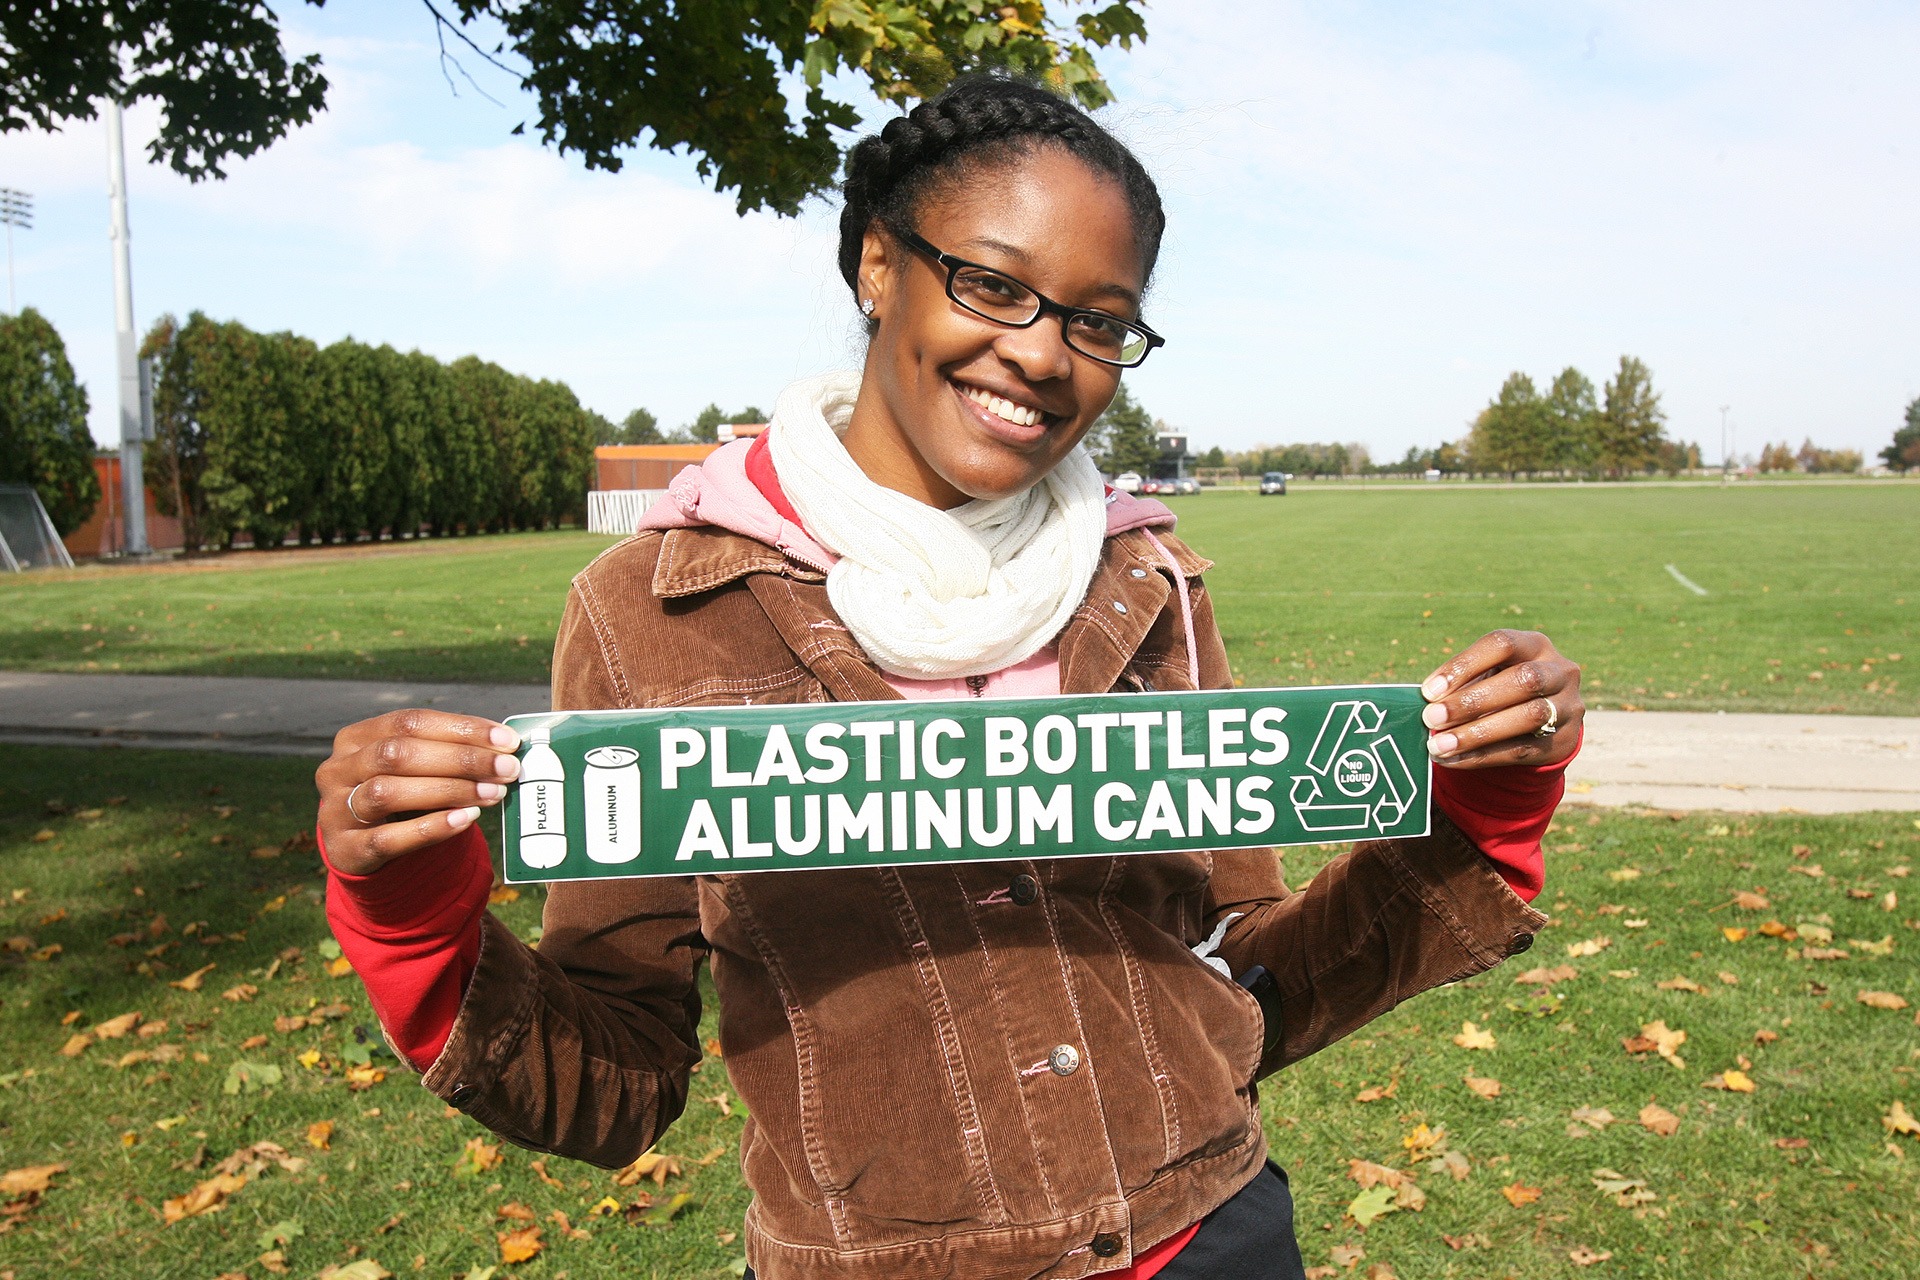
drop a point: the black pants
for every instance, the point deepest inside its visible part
(1250, 1237)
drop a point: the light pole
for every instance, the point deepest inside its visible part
(16, 210)
(133, 488)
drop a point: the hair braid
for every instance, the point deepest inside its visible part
(977, 120)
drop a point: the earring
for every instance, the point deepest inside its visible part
(866, 307)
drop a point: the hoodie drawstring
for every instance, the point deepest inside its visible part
(1186, 607)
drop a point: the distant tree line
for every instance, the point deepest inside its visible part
(1810, 458)
(270, 435)
(1571, 430)
(641, 427)
(44, 440)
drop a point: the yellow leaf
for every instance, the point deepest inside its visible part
(75, 1045)
(1519, 1193)
(650, 1165)
(1485, 1086)
(1751, 901)
(339, 967)
(310, 1059)
(505, 893)
(193, 980)
(604, 1207)
(1897, 1120)
(1421, 1140)
(1732, 1081)
(1591, 947)
(1624, 874)
(1680, 982)
(204, 1198)
(1881, 1000)
(1657, 1037)
(521, 1245)
(36, 1178)
(1472, 1037)
(114, 1028)
(361, 1078)
(1734, 933)
(1884, 947)
(320, 1135)
(240, 994)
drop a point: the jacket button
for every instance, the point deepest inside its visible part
(1065, 1060)
(462, 1094)
(1521, 942)
(1139, 573)
(1106, 1244)
(1024, 890)
(1119, 606)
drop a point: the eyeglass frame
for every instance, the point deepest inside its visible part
(1046, 306)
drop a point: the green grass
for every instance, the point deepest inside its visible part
(1813, 590)
(140, 835)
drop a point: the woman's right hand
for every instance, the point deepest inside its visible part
(415, 778)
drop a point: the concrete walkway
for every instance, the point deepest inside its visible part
(1661, 759)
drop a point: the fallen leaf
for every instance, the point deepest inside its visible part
(1764, 1036)
(722, 1101)
(1473, 1037)
(1421, 1139)
(505, 893)
(320, 1135)
(662, 1214)
(114, 1028)
(1581, 1256)
(389, 1224)
(35, 1179)
(650, 1165)
(1381, 1271)
(1824, 953)
(1637, 924)
(1657, 1037)
(1680, 982)
(1884, 947)
(1542, 976)
(1370, 1174)
(1371, 1204)
(193, 980)
(1626, 1192)
(1899, 1120)
(1485, 1086)
(1791, 1144)
(1519, 1193)
(360, 1079)
(364, 1269)
(1814, 932)
(539, 1168)
(1751, 901)
(76, 1045)
(1377, 1092)
(1472, 1240)
(240, 994)
(1812, 871)
(253, 1042)
(559, 1219)
(339, 967)
(1732, 1081)
(1595, 1118)
(1729, 979)
(1591, 947)
(1453, 1164)
(515, 1210)
(1410, 1197)
(246, 1077)
(476, 1157)
(1733, 933)
(1624, 874)
(204, 1198)
(1774, 929)
(1881, 1000)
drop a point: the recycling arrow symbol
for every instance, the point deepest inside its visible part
(1372, 786)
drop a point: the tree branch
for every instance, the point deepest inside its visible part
(441, 25)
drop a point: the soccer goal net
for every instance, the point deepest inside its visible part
(27, 539)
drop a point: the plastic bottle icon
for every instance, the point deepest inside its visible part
(543, 803)
(611, 787)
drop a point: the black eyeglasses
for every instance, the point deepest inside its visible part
(997, 296)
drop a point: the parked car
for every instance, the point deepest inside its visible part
(1274, 482)
(1127, 482)
(1186, 484)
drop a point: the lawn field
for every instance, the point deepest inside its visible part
(1812, 595)
(124, 873)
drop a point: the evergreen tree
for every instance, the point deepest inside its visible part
(638, 427)
(1632, 425)
(1511, 433)
(1572, 422)
(1122, 438)
(1904, 453)
(44, 439)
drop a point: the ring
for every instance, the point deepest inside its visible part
(1547, 730)
(350, 809)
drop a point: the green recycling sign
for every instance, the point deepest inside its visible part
(704, 790)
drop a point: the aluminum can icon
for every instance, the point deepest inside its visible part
(611, 784)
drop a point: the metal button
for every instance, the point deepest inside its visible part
(1024, 890)
(1065, 1060)
(1139, 573)
(462, 1094)
(1106, 1244)
(1119, 606)
(1521, 942)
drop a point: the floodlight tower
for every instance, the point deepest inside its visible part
(133, 486)
(16, 210)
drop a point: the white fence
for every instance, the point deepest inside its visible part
(619, 510)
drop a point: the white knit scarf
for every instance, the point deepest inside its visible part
(931, 593)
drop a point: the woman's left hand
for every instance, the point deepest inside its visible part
(1489, 702)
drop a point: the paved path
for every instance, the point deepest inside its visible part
(1663, 759)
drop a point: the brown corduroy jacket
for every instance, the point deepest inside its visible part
(977, 1070)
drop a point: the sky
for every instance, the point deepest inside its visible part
(1376, 212)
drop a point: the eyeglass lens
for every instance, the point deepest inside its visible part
(1006, 300)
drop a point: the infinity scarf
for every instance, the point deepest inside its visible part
(931, 593)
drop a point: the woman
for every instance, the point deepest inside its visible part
(974, 1070)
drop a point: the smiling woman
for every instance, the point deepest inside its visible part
(1038, 1068)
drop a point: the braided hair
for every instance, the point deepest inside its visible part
(979, 120)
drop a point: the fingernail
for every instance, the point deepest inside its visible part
(1434, 688)
(490, 790)
(1442, 744)
(504, 738)
(463, 817)
(506, 766)
(1434, 716)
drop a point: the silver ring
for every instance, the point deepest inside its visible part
(350, 809)
(1547, 730)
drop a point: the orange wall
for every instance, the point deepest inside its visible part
(103, 533)
(645, 466)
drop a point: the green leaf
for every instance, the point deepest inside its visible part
(480, 1273)
(286, 1231)
(1376, 1201)
(245, 1077)
(662, 1214)
(328, 949)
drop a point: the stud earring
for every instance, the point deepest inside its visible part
(866, 307)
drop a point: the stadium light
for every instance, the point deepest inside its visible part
(16, 210)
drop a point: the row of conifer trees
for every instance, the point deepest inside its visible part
(271, 436)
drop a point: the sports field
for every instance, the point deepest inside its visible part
(1811, 595)
(251, 1099)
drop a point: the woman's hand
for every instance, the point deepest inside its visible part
(414, 778)
(1490, 702)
